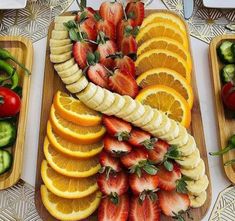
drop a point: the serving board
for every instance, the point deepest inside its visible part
(52, 84)
(22, 49)
(226, 122)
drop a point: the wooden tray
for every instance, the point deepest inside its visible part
(226, 124)
(22, 49)
(52, 83)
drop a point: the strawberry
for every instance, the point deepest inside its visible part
(88, 27)
(168, 180)
(111, 11)
(122, 26)
(173, 203)
(114, 185)
(157, 154)
(114, 211)
(109, 162)
(117, 127)
(140, 138)
(146, 210)
(123, 83)
(106, 48)
(85, 12)
(106, 27)
(115, 147)
(135, 11)
(145, 184)
(128, 46)
(96, 72)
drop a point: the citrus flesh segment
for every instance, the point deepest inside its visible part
(168, 44)
(73, 110)
(70, 148)
(167, 77)
(70, 166)
(168, 101)
(67, 187)
(73, 132)
(162, 59)
(161, 29)
(67, 209)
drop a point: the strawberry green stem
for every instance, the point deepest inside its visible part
(229, 162)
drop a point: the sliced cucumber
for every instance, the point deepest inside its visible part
(228, 73)
(7, 133)
(226, 53)
(5, 161)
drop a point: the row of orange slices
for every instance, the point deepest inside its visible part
(71, 147)
(164, 66)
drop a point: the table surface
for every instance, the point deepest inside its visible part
(202, 67)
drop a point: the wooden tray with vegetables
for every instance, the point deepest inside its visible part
(222, 55)
(16, 55)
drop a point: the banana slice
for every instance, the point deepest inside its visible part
(97, 99)
(64, 66)
(128, 108)
(154, 122)
(136, 114)
(62, 19)
(116, 106)
(162, 129)
(172, 133)
(59, 26)
(61, 57)
(59, 35)
(88, 93)
(191, 161)
(59, 43)
(195, 173)
(146, 118)
(62, 49)
(182, 137)
(73, 78)
(189, 147)
(68, 72)
(77, 86)
(195, 187)
(198, 201)
(107, 102)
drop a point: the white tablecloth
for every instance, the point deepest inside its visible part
(201, 62)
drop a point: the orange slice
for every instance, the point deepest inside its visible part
(69, 166)
(67, 209)
(73, 110)
(168, 78)
(162, 59)
(168, 101)
(168, 44)
(161, 29)
(70, 148)
(74, 132)
(67, 187)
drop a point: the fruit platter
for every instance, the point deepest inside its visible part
(121, 134)
(222, 70)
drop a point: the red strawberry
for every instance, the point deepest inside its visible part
(140, 138)
(134, 157)
(108, 161)
(171, 203)
(121, 28)
(128, 46)
(114, 211)
(125, 63)
(123, 83)
(145, 183)
(157, 154)
(135, 11)
(117, 127)
(115, 147)
(106, 48)
(80, 51)
(168, 179)
(88, 27)
(146, 210)
(111, 11)
(114, 185)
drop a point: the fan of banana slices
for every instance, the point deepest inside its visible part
(145, 117)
